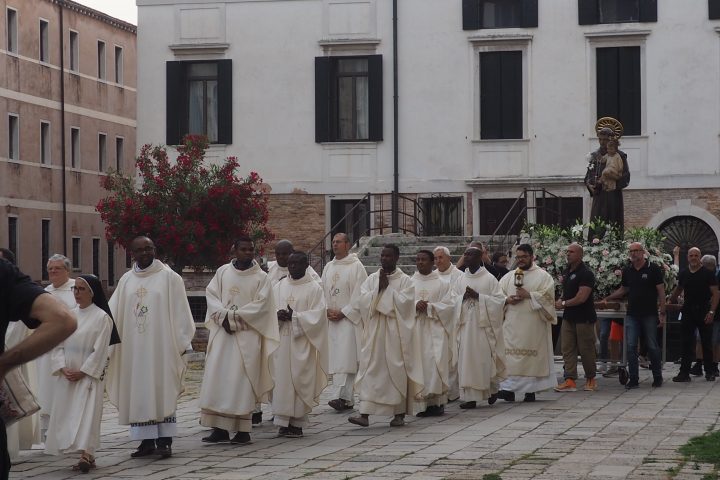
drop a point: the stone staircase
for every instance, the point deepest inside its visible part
(370, 247)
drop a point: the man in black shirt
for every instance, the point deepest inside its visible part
(577, 333)
(21, 299)
(698, 311)
(643, 284)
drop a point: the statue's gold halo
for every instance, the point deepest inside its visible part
(611, 123)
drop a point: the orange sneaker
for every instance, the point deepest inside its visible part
(590, 385)
(567, 386)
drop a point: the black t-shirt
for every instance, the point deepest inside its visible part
(642, 288)
(572, 281)
(17, 294)
(696, 289)
(500, 271)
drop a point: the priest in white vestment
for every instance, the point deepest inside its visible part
(300, 363)
(435, 318)
(243, 334)
(451, 274)
(341, 280)
(145, 375)
(481, 364)
(58, 268)
(527, 330)
(278, 268)
(79, 366)
(390, 376)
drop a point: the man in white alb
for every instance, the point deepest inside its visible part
(278, 268)
(451, 274)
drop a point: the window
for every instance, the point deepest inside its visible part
(45, 246)
(96, 256)
(44, 54)
(348, 99)
(479, 14)
(13, 235)
(591, 12)
(119, 150)
(11, 29)
(74, 51)
(199, 100)
(111, 262)
(618, 86)
(714, 9)
(492, 211)
(101, 60)
(501, 97)
(102, 152)
(443, 215)
(45, 143)
(74, 147)
(118, 65)
(13, 137)
(564, 212)
(76, 253)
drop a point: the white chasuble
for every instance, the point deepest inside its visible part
(451, 274)
(276, 273)
(527, 332)
(237, 366)
(153, 318)
(78, 406)
(341, 280)
(390, 375)
(481, 364)
(300, 364)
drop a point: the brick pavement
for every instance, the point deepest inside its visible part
(608, 434)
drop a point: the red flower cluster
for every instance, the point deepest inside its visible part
(193, 212)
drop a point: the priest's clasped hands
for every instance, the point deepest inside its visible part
(72, 375)
(520, 295)
(470, 294)
(384, 281)
(285, 315)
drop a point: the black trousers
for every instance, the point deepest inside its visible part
(691, 320)
(4, 455)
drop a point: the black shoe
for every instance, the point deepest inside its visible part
(283, 431)
(492, 399)
(257, 418)
(682, 377)
(715, 369)
(710, 377)
(340, 404)
(632, 384)
(436, 411)
(146, 448)
(657, 382)
(424, 413)
(294, 432)
(506, 395)
(468, 405)
(696, 370)
(529, 397)
(218, 435)
(165, 451)
(240, 438)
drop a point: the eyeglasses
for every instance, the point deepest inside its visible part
(519, 257)
(78, 289)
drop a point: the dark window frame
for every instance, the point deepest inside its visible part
(13, 137)
(13, 235)
(74, 147)
(102, 152)
(589, 12)
(74, 48)
(76, 253)
(472, 13)
(45, 246)
(43, 41)
(96, 257)
(501, 95)
(619, 86)
(11, 31)
(101, 60)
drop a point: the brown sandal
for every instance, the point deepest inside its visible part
(86, 463)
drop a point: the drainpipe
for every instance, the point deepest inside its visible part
(396, 181)
(62, 129)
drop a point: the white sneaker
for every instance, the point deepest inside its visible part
(602, 368)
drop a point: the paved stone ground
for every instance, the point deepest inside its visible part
(608, 434)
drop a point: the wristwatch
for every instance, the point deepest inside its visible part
(562, 303)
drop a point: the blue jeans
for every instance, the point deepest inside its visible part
(647, 325)
(604, 338)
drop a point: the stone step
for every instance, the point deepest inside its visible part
(411, 250)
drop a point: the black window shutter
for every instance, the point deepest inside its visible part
(490, 95)
(322, 99)
(588, 12)
(629, 89)
(607, 82)
(174, 91)
(225, 112)
(375, 100)
(512, 98)
(471, 15)
(713, 9)
(529, 13)
(648, 11)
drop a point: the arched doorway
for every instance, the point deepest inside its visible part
(688, 231)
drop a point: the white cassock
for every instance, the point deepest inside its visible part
(23, 434)
(435, 328)
(451, 275)
(145, 375)
(237, 366)
(481, 364)
(276, 272)
(390, 375)
(341, 281)
(300, 364)
(78, 406)
(43, 364)
(527, 332)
